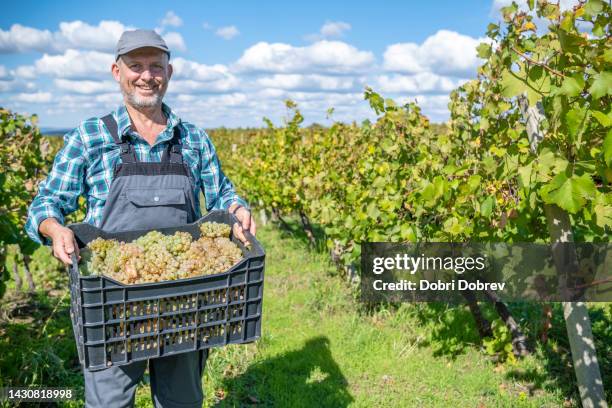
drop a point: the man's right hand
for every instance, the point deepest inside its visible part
(63, 240)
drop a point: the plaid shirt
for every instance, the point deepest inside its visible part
(85, 165)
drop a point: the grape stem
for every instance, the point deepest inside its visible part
(529, 59)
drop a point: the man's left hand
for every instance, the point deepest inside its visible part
(246, 223)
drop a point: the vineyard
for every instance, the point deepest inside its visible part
(526, 156)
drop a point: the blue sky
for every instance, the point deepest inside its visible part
(236, 62)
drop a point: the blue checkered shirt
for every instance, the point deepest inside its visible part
(85, 164)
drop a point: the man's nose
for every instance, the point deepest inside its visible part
(146, 75)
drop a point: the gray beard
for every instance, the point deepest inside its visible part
(140, 102)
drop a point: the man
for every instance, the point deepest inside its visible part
(139, 167)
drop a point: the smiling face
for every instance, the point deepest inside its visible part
(143, 75)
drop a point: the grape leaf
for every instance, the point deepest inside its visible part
(607, 149)
(486, 207)
(602, 85)
(569, 193)
(572, 86)
(512, 85)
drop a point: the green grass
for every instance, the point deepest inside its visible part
(322, 347)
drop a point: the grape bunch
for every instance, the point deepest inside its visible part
(155, 257)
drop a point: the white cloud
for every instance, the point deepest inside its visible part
(73, 82)
(227, 33)
(102, 37)
(334, 28)
(4, 73)
(331, 29)
(445, 52)
(421, 82)
(25, 71)
(16, 85)
(174, 41)
(307, 82)
(191, 77)
(207, 26)
(21, 39)
(86, 87)
(73, 35)
(188, 86)
(76, 64)
(38, 97)
(171, 19)
(323, 56)
(227, 100)
(185, 69)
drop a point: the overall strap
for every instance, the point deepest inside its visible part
(173, 153)
(128, 155)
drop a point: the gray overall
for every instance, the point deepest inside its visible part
(144, 196)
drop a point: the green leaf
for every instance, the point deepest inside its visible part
(607, 149)
(602, 118)
(486, 207)
(376, 101)
(593, 7)
(539, 80)
(602, 85)
(550, 11)
(453, 226)
(575, 120)
(373, 211)
(603, 215)
(570, 43)
(599, 30)
(484, 50)
(474, 182)
(525, 174)
(570, 193)
(567, 24)
(433, 191)
(508, 11)
(407, 233)
(572, 86)
(512, 85)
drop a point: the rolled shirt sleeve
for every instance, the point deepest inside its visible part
(218, 190)
(58, 194)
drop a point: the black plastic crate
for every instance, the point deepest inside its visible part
(116, 324)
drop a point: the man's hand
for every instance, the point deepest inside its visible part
(246, 223)
(63, 240)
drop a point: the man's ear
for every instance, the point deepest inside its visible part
(115, 71)
(170, 71)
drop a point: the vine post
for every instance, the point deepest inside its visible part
(577, 321)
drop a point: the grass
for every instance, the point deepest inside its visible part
(322, 347)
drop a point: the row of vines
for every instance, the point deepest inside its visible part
(400, 179)
(484, 177)
(25, 157)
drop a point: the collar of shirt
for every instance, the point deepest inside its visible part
(124, 124)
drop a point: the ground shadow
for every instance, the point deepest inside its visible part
(302, 378)
(453, 328)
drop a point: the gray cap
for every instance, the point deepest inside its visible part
(131, 40)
